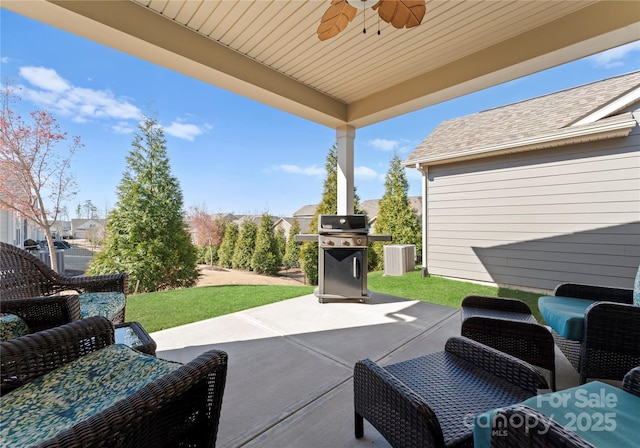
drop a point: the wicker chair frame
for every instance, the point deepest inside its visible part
(425, 401)
(181, 409)
(32, 290)
(546, 432)
(609, 348)
(508, 325)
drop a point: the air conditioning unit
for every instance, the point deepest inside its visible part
(399, 258)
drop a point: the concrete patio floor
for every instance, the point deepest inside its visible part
(289, 381)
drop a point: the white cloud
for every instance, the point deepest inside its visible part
(48, 89)
(183, 130)
(123, 127)
(44, 78)
(364, 173)
(306, 171)
(402, 146)
(4, 59)
(616, 56)
(384, 144)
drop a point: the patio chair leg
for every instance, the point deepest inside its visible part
(359, 427)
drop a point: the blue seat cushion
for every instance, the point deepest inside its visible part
(565, 315)
(600, 413)
(105, 304)
(11, 327)
(73, 393)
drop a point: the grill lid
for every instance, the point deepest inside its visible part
(343, 223)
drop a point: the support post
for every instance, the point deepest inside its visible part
(344, 137)
(425, 183)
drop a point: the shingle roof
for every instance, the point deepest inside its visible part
(306, 210)
(521, 121)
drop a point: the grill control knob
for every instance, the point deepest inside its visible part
(359, 241)
(329, 242)
(345, 243)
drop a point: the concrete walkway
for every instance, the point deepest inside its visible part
(289, 381)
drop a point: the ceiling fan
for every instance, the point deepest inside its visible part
(399, 13)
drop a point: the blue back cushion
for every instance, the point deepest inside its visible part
(565, 315)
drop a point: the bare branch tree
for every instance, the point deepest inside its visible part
(208, 230)
(35, 174)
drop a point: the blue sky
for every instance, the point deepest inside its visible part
(230, 154)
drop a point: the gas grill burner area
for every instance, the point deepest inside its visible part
(342, 256)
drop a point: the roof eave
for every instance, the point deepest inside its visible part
(614, 127)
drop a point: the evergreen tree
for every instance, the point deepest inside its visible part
(225, 253)
(147, 235)
(327, 206)
(281, 240)
(245, 246)
(266, 256)
(291, 258)
(395, 214)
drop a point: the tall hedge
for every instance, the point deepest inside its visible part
(266, 256)
(225, 253)
(245, 246)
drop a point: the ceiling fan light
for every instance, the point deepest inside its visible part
(362, 4)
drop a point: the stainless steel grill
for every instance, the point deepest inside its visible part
(342, 256)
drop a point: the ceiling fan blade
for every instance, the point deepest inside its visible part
(401, 13)
(335, 19)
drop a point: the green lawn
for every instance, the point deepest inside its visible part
(443, 291)
(160, 310)
(166, 309)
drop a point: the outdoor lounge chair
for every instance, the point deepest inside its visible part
(596, 327)
(508, 325)
(44, 299)
(588, 416)
(71, 386)
(430, 401)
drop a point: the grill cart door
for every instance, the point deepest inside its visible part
(343, 271)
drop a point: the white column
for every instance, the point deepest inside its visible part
(425, 183)
(344, 137)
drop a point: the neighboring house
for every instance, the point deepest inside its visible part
(307, 211)
(371, 208)
(88, 228)
(538, 192)
(14, 229)
(241, 219)
(287, 223)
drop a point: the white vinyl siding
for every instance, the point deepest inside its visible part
(539, 218)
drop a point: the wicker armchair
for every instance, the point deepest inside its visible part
(508, 325)
(430, 401)
(610, 346)
(179, 409)
(542, 431)
(31, 290)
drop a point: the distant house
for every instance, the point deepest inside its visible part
(15, 229)
(287, 223)
(370, 207)
(538, 192)
(88, 228)
(307, 211)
